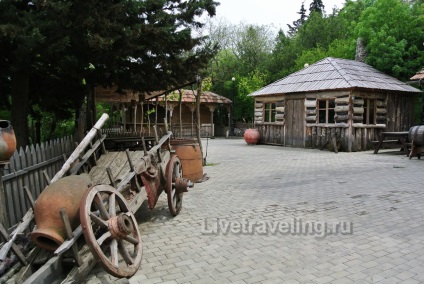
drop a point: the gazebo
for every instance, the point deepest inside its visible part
(136, 113)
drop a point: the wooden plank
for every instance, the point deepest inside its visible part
(3, 207)
(25, 181)
(24, 171)
(15, 192)
(34, 186)
(106, 159)
(359, 138)
(10, 245)
(118, 163)
(135, 158)
(78, 274)
(43, 183)
(98, 173)
(324, 95)
(49, 273)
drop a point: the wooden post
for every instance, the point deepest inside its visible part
(198, 122)
(134, 104)
(142, 119)
(192, 109)
(212, 109)
(180, 103)
(350, 122)
(3, 211)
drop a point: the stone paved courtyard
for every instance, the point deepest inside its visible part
(247, 223)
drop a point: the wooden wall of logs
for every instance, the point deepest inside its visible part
(280, 111)
(342, 109)
(391, 113)
(259, 112)
(311, 110)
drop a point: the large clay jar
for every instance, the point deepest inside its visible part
(64, 193)
(7, 140)
(188, 150)
(251, 136)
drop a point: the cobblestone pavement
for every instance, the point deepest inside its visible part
(248, 222)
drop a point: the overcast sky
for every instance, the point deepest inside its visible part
(278, 13)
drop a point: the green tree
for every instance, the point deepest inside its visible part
(244, 105)
(393, 36)
(142, 45)
(316, 6)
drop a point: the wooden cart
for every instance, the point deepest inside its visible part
(122, 181)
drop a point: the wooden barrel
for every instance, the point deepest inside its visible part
(188, 150)
(416, 134)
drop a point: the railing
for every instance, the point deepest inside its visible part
(188, 130)
(30, 168)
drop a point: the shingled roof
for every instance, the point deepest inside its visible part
(335, 74)
(188, 97)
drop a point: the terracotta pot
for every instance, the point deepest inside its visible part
(7, 140)
(188, 150)
(251, 136)
(65, 193)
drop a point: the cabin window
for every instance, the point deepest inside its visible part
(270, 111)
(325, 110)
(369, 111)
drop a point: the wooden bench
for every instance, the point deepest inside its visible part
(399, 141)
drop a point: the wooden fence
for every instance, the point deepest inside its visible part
(30, 168)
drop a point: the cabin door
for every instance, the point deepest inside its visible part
(295, 123)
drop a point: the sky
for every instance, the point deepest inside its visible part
(278, 13)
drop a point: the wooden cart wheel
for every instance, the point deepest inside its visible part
(111, 230)
(174, 178)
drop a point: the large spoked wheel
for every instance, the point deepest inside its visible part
(174, 184)
(111, 231)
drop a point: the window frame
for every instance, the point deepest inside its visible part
(270, 110)
(367, 109)
(328, 111)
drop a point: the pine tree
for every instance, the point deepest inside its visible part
(299, 22)
(316, 6)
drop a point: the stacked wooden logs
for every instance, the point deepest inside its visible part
(311, 110)
(280, 109)
(342, 109)
(259, 112)
(381, 109)
(358, 110)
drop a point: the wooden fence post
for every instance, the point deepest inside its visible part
(3, 211)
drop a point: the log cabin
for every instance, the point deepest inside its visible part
(334, 99)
